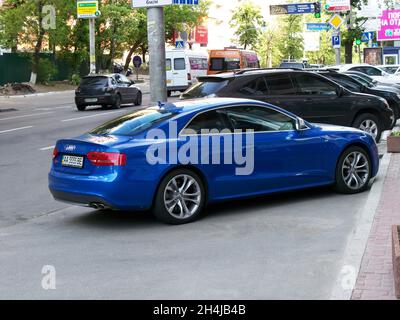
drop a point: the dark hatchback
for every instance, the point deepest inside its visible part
(355, 85)
(306, 94)
(107, 90)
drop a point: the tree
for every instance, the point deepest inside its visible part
(247, 20)
(292, 46)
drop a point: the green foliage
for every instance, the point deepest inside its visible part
(291, 27)
(395, 134)
(46, 71)
(247, 21)
(75, 79)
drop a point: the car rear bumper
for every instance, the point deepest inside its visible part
(100, 99)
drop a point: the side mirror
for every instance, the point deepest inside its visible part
(300, 124)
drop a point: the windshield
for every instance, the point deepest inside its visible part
(204, 88)
(224, 64)
(133, 123)
(391, 70)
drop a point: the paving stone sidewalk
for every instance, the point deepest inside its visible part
(375, 278)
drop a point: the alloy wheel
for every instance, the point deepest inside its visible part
(369, 126)
(182, 196)
(355, 170)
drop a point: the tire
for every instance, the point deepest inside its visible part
(104, 106)
(369, 123)
(117, 103)
(169, 93)
(353, 177)
(138, 100)
(194, 202)
(80, 107)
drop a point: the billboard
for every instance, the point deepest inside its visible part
(201, 35)
(389, 25)
(373, 56)
(337, 5)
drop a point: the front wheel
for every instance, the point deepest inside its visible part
(180, 197)
(117, 103)
(369, 123)
(138, 100)
(353, 171)
(80, 107)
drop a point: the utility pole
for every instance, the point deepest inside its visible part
(92, 46)
(156, 38)
(337, 51)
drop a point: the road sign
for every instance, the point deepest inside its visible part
(88, 9)
(180, 44)
(336, 21)
(151, 3)
(295, 8)
(195, 2)
(337, 5)
(137, 61)
(318, 26)
(336, 42)
(367, 36)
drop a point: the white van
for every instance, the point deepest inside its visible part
(183, 67)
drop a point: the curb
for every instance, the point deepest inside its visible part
(357, 241)
(42, 94)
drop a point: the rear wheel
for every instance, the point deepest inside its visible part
(180, 197)
(138, 100)
(80, 107)
(369, 123)
(353, 171)
(117, 103)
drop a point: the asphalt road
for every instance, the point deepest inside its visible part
(285, 246)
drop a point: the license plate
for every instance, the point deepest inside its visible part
(91, 100)
(72, 161)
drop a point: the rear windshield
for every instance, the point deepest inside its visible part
(133, 123)
(204, 88)
(94, 81)
(292, 65)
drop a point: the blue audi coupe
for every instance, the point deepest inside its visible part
(174, 159)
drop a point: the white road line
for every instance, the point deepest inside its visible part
(46, 148)
(91, 116)
(16, 129)
(26, 115)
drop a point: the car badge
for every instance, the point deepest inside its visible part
(70, 147)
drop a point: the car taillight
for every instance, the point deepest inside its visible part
(107, 158)
(55, 152)
(189, 76)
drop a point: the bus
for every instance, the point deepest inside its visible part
(231, 59)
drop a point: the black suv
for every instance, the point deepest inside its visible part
(107, 90)
(306, 94)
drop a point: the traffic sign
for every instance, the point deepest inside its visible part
(195, 2)
(337, 5)
(336, 42)
(88, 9)
(318, 26)
(367, 36)
(151, 3)
(137, 61)
(180, 44)
(336, 21)
(295, 8)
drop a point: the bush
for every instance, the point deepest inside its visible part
(46, 71)
(75, 79)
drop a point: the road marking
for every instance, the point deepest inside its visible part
(46, 148)
(27, 115)
(16, 129)
(91, 116)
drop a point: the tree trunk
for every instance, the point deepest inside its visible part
(129, 56)
(348, 52)
(38, 46)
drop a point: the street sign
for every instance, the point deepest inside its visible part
(367, 36)
(318, 27)
(137, 61)
(180, 44)
(389, 27)
(336, 42)
(195, 2)
(337, 5)
(88, 9)
(151, 3)
(336, 21)
(295, 8)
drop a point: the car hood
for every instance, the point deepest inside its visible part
(334, 128)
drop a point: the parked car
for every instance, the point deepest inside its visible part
(292, 65)
(109, 166)
(107, 90)
(183, 68)
(372, 71)
(232, 58)
(372, 83)
(306, 94)
(393, 69)
(119, 68)
(355, 85)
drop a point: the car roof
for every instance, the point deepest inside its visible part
(110, 75)
(246, 72)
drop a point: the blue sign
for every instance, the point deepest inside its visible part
(180, 44)
(367, 36)
(375, 45)
(318, 26)
(336, 41)
(137, 61)
(195, 2)
(300, 8)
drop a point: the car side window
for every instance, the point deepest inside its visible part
(113, 82)
(373, 71)
(257, 87)
(309, 84)
(349, 84)
(259, 119)
(179, 64)
(210, 120)
(280, 84)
